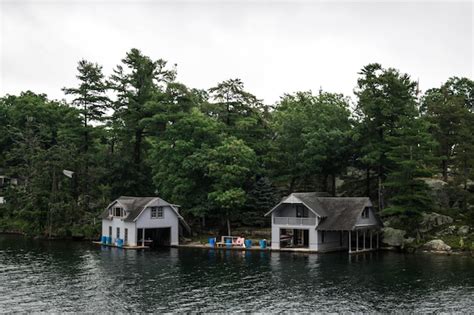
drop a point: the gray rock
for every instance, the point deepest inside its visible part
(408, 240)
(438, 191)
(447, 231)
(432, 220)
(437, 245)
(463, 230)
(393, 237)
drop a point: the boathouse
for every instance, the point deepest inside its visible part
(314, 221)
(143, 221)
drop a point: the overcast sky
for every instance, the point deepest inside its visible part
(274, 48)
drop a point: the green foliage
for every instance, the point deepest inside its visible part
(222, 154)
(411, 154)
(312, 138)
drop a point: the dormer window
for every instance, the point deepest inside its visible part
(157, 212)
(365, 213)
(117, 212)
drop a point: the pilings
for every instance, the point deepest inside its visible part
(364, 246)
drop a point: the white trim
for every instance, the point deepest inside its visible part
(136, 218)
(284, 202)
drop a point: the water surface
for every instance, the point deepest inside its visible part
(60, 276)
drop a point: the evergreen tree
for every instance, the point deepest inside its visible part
(261, 198)
(385, 98)
(411, 156)
(91, 100)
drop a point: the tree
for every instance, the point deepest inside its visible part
(139, 83)
(411, 153)
(179, 162)
(42, 146)
(243, 114)
(230, 167)
(260, 199)
(91, 99)
(385, 98)
(311, 138)
(449, 108)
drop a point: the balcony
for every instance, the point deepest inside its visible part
(294, 221)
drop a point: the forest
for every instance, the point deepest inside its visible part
(226, 157)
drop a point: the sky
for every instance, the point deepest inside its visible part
(275, 47)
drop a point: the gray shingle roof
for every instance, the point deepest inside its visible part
(336, 213)
(135, 205)
(311, 199)
(342, 212)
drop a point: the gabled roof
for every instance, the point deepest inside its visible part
(336, 213)
(136, 205)
(343, 212)
(309, 199)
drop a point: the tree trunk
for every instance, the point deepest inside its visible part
(368, 182)
(325, 183)
(138, 144)
(333, 186)
(380, 192)
(444, 166)
(228, 226)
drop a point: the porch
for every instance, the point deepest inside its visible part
(294, 221)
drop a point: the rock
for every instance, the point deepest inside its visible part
(439, 191)
(447, 231)
(432, 220)
(393, 237)
(437, 245)
(408, 240)
(463, 230)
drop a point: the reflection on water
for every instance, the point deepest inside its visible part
(68, 276)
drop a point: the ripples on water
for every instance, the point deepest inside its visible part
(58, 276)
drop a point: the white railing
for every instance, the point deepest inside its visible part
(294, 221)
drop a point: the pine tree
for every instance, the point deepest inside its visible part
(411, 154)
(261, 198)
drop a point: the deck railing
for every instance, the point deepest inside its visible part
(294, 221)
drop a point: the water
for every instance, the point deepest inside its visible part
(58, 276)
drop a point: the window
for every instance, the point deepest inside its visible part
(301, 211)
(118, 212)
(157, 212)
(365, 213)
(125, 236)
(110, 231)
(322, 236)
(118, 232)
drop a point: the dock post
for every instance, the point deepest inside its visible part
(363, 237)
(143, 237)
(350, 243)
(370, 239)
(357, 240)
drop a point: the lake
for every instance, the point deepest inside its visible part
(66, 276)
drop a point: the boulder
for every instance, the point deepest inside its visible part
(393, 237)
(432, 220)
(463, 230)
(437, 245)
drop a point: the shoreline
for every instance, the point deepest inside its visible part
(468, 253)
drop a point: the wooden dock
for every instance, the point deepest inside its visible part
(237, 248)
(124, 246)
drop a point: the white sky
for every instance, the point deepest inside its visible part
(274, 48)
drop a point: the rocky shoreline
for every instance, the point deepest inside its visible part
(437, 233)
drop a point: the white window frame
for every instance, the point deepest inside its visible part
(365, 213)
(157, 213)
